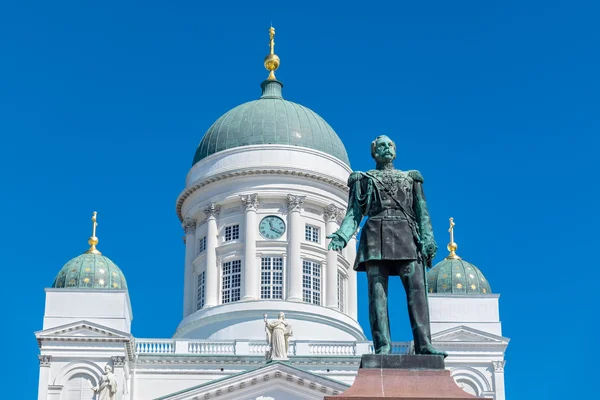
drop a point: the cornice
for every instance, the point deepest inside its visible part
(200, 183)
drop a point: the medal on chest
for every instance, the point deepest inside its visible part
(392, 181)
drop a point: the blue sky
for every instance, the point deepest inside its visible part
(103, 104)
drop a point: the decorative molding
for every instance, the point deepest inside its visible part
(272, 205)
(331, 213)
(250, 201)
(198, 184)
(294, 203)
(189, 226)
(231, 210)
(499, 365)
(45, 360)
(310, 382)
(313, 211)
(118, 361)
(212, 210)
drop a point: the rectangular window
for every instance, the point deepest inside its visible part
(341, 294)
(232, 232)
(311, 233)
(232, 279)
(200, 295)
(202, 245)
(271, 278)
(311, 282)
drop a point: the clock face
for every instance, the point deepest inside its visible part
(271, 227)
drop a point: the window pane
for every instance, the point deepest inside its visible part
(271, 278)
(311, 282)
(232, 279)
(200, 295)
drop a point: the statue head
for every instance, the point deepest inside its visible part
(281, 315)
(107, 368)
(383, 149)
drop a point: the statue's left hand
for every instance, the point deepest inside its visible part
(429, 249)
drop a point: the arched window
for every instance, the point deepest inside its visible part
(79, 387)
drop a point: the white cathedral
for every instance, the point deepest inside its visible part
(267, 185)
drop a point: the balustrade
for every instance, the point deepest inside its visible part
(211, 348)
(155, 346)
(257, 348)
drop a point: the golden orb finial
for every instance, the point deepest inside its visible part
(93, 240)
(271, 60)
(452, 246)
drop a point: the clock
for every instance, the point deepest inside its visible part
(271, 227)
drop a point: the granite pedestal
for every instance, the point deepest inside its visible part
(403, 377)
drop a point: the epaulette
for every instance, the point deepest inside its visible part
(416, 175)
(355, 176)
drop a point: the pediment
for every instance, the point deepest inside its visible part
(274, 381)
(82, 330)
(464, 334)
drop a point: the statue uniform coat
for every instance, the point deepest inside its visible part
(398, 221)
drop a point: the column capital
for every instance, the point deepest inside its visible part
(212, 210)
(499, 365)
(294, 202)
(189, 226)
(118, 361)
(45, 360)
(331, 213)
(250, 201)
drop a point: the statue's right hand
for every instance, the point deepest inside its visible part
(337, 243)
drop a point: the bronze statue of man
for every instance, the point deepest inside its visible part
(397, 239)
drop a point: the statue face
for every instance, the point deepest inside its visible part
(107, 368)
(281, 315)
(383, 149)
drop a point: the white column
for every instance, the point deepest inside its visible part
(498, 378)
(118, 370)
(294, 263)
(352, 297)
(211, 284)
(189, 226)
(45, 361)
(250, 286)
(331, 269)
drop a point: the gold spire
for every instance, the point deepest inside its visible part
(452, 246)
(272, 61)
(93, 240)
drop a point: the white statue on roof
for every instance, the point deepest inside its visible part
(278, 337)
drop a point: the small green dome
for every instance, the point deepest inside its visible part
(458, 277)
(90, 270)
(271, 120)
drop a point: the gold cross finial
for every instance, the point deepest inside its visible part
(452, 246)
(272, 37)
(271, 60)
(93, 240)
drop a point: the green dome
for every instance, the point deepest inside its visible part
(458, 277)
(90, 271)
(271, 120)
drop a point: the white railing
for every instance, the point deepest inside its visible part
(332, 349)
(208, 347)
(259, 348)
(155, 346)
